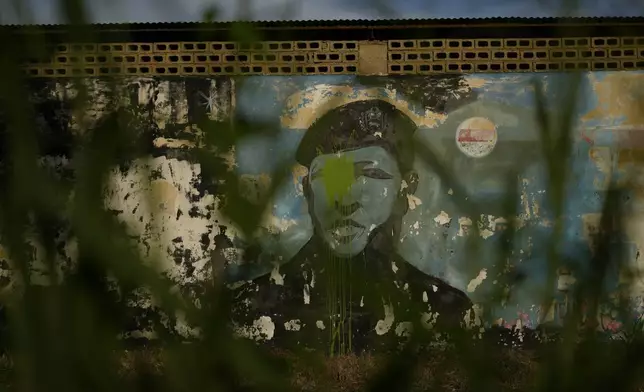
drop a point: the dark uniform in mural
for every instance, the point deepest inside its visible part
(347, 288)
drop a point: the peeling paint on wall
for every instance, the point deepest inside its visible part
(434, 231)
(172, 218)
(618, 97)
(392, 210)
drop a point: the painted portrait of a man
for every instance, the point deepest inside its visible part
(348, 289)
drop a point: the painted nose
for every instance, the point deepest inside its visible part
(346, 209)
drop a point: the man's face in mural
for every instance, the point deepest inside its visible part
(346, 220)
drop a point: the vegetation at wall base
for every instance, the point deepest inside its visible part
(440, 368)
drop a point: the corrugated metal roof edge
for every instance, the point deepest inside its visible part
(354, 22)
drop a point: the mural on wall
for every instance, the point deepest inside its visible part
(357, 181)
(484, 130)
(364, 238)
(348, 278)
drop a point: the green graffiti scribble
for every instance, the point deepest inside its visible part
(338, 176)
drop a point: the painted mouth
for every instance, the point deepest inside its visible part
(346, 231)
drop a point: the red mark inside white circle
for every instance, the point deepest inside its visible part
(476, 137)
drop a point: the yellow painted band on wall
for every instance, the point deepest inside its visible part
(306, 106)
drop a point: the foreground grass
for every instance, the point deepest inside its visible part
(438, 369)
(148, 367)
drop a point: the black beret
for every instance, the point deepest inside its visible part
(359, 124)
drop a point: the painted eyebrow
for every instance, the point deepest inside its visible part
(315, 170)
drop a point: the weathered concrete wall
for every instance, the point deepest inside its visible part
(160, 196)
(483, 128)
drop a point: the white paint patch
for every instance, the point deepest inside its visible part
(435, 288)
(425, 297)
(404, 329)
(486, 225)
(276, 277)
(226, 103)
(276, 224)
(167, 208)
(307, 294)
(383, 326)
(262, 329)
(394, 267)
(172, 143)
(464, 224)
(293, 325)
(442, 218)
(184, 329)
(473, 317)
(413, 202)
(485, 233)
(565, 282)
(476, 282)
(428, 319)
(320, 325)
(162, 105)
(99, 102)
(145, 92)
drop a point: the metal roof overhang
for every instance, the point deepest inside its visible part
(350, 30)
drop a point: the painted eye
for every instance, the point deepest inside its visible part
(315, 174)
(377, 174)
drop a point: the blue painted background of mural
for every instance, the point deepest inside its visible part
(433, 229)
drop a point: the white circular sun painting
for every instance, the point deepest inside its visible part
(476, 137)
